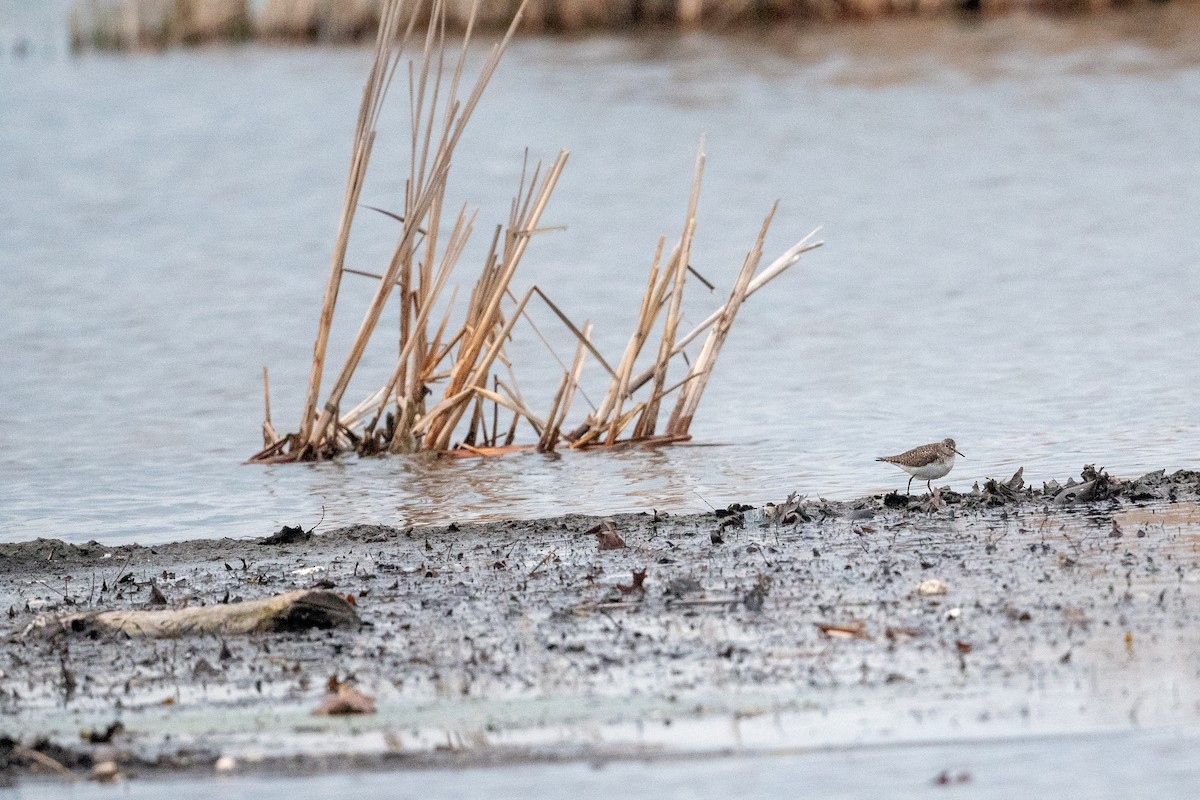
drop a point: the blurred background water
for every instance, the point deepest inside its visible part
(1012, 259)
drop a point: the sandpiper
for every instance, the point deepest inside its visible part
(926, 462)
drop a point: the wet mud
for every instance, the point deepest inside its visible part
(1009, 610)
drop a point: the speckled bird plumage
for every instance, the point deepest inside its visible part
(927, 462)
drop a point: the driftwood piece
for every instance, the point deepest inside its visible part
(291, 611)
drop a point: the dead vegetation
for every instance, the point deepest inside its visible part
(132, 24)
(453, 387)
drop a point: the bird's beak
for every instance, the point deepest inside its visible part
(956, 450)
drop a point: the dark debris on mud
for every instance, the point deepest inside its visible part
(955, 592)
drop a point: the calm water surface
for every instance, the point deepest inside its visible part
(1013, 259)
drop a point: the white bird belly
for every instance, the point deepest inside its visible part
(936, 469)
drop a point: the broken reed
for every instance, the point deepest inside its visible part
(398, 417)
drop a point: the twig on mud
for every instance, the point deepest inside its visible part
(65, 596)
(619, 628)
(322, 519)
(720, 601)
(758, 546)
(542, 563)
(121, 572)
(588, 608)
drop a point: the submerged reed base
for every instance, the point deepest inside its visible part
(453, 387)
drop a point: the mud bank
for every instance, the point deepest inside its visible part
(1007, 611)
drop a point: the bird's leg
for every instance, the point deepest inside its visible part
(908, 491)
(929, 486)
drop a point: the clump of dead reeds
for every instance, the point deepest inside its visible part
(402, 415)
(664, 291)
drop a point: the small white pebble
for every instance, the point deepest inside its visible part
(225, 764)
(953, 614)
(931, 587)
(105, 772)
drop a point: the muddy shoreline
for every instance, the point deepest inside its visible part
(1007, 611)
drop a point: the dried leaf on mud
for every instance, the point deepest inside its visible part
(157, 598)
(786, 512)
(342, 699)
(932, 502)
(606, 534)
(639, 577)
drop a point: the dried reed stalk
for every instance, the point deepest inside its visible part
(648, 420)
(270, 435)
(427, 187)
(387, 55)
(458, 240)
(513, 404)
(701, 369)
(473, 363)
(566, 392)
(780, 265)
(595, 425)
(450, 400)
